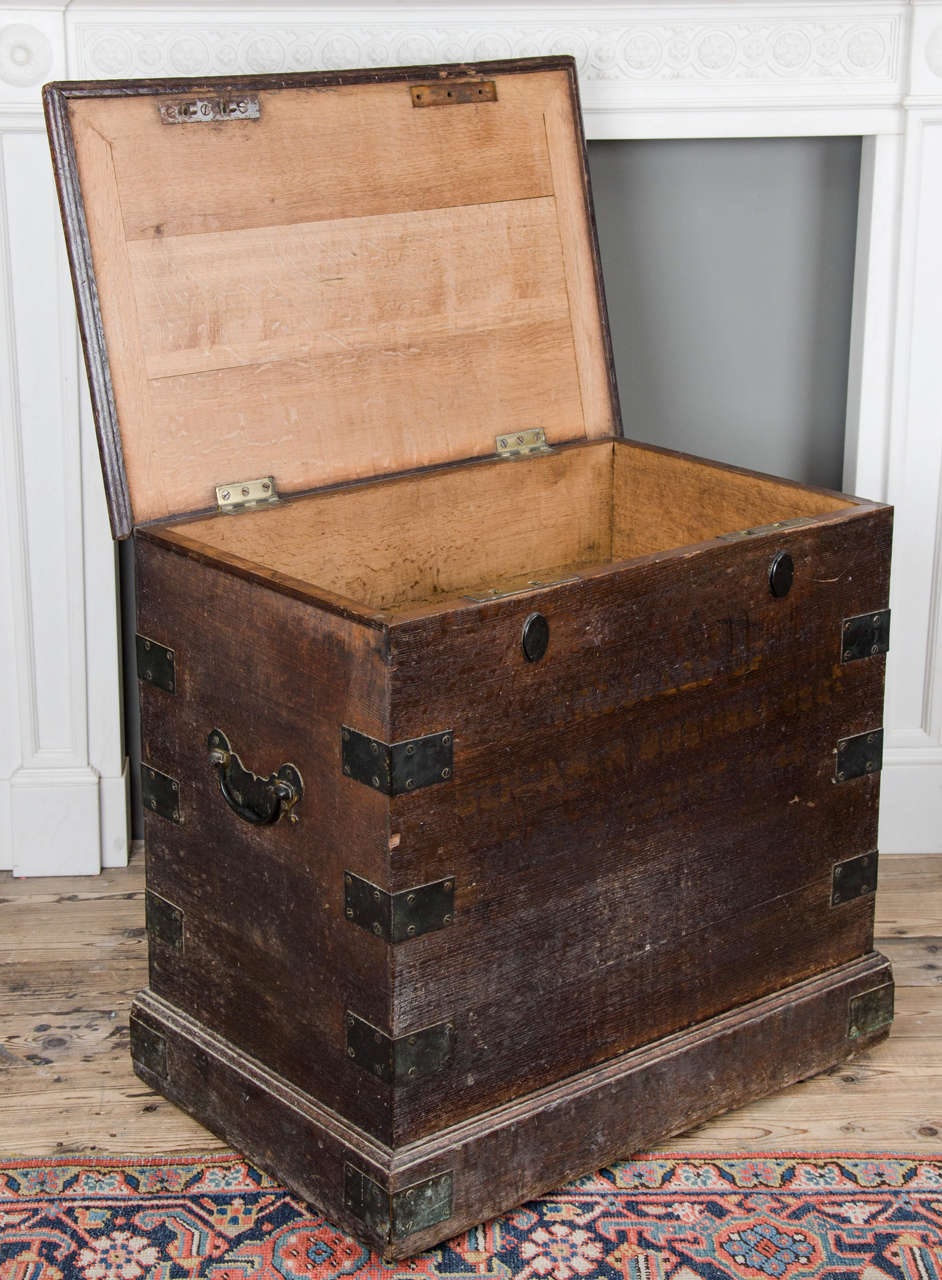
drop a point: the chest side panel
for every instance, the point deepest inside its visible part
(246, 922)
(643, 824)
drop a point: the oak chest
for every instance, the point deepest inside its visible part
(510, 788)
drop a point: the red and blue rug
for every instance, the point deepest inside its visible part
(661, 1217)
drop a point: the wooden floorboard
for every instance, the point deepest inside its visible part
(73, 953)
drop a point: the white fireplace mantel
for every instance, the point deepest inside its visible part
(659, 70)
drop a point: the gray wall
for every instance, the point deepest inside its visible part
(728, 268)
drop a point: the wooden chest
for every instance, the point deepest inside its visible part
(511, 788)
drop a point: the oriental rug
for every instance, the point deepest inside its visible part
(654, 1218)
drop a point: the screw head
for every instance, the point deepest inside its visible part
(375, 780)
(412, 1071)
(841, 776)
(447, 919)
(410, 783)
(176, 815)
(377, 928)
(876, 619)
(350, 1051)
(874, 648)
(446, 738)
(410, 930)
(410, 749)
(147, 674)
(449, 885)
(349, 913)
(847, 655)
(346, 770)
(345, 735)
(446, 772)
(374, 749)
(412, 1039)
(225, 495)
(835, 897)
(348, 879)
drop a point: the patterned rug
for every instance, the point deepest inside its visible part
(699, 1218)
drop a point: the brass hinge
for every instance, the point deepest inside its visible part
(451, 93)
(408, 1057)
(522, 444)
(245, 495)
(397, 1214)
(397, 917)
(241, 106)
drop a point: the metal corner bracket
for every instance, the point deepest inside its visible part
(398, 1214)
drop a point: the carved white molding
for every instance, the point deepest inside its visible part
(646, 70)
(715, 44)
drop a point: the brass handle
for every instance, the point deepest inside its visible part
(261, 801)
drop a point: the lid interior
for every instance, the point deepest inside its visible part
(349, 285)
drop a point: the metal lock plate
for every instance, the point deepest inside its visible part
(397, 917)
(865, 636)
(160, 794)
(156, 663)
(854, 877)
(859, 755)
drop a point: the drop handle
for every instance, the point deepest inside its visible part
(260, 801)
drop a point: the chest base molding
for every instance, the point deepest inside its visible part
(581, 1124)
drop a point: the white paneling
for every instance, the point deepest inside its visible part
(698, 69)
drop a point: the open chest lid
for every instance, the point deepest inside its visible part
(325, 277)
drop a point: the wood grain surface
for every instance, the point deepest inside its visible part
(344, 287)
(73, 954)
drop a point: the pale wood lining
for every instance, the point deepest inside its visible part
(347, 287)
(663, 500)
(424, 538)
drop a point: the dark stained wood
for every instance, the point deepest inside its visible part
(512, 1153)
(268, 957)
(641, 826)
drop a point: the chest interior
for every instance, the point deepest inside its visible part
(472, 532)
